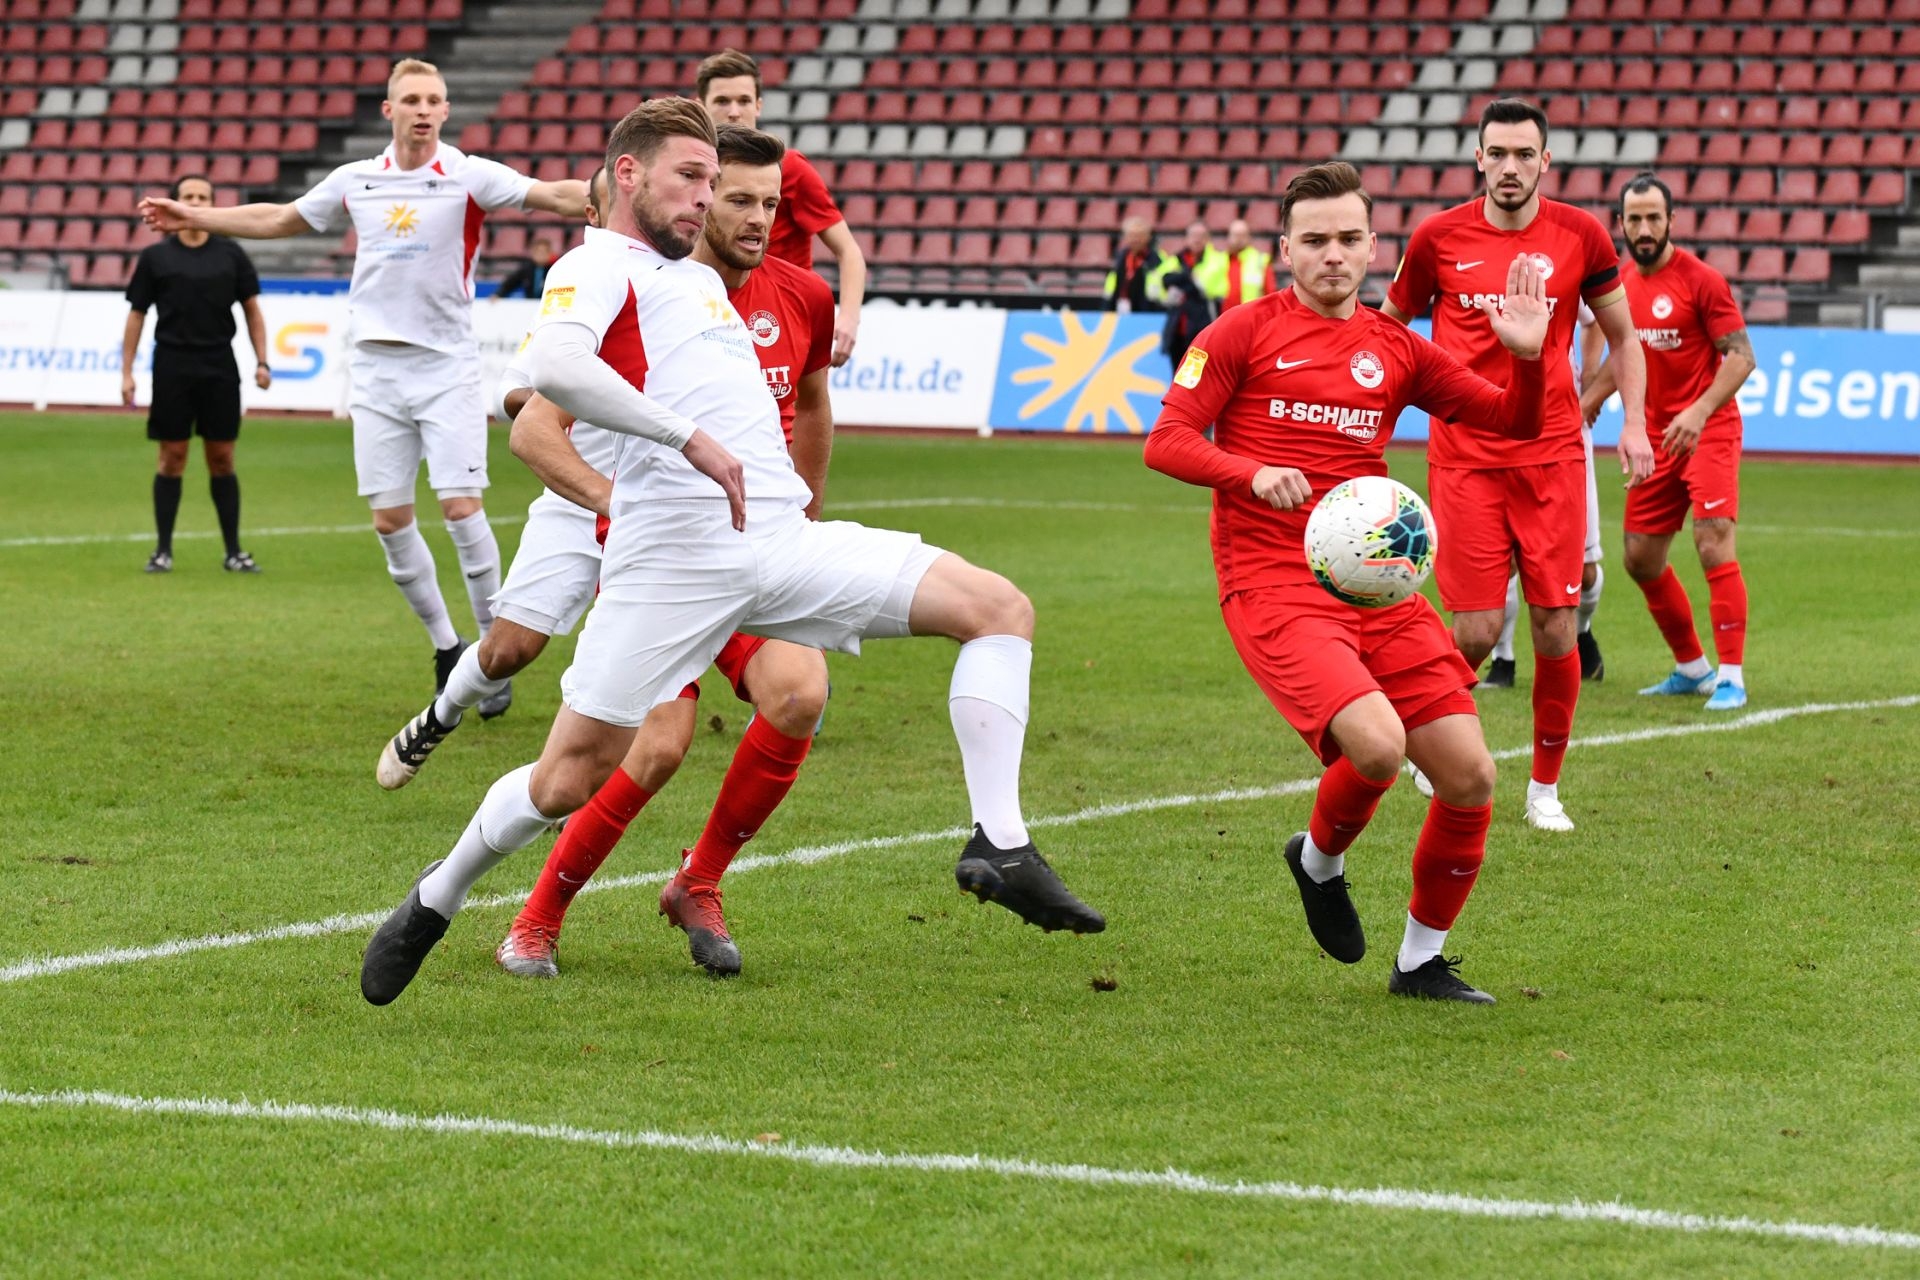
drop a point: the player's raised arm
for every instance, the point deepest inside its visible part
(567, 197)
(1451, 390)
(243, 222)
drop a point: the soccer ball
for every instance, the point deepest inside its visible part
(1370, 541)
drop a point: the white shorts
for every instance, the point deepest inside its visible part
(407, 403)
(554, 572)
(1594, 554)
(677, 581)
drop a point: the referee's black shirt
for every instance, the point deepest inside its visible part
(195, 290)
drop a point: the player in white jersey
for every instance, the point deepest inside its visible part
(637, 339)
(417, 209)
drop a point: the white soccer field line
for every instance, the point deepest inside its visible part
(48, 966)
(874, 504)
(1385, 1198)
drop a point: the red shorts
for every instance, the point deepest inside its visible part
(1707, 480)
(1312, 656)
(732, 663)
(1487, 519)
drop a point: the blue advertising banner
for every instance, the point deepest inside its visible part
(1815, 391)
(1084, 372)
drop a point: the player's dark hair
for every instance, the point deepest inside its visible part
(645, 129)
(185, 178)
(725, 65)
(1327, 181)
(738, 145)
(1512, 111)
(1641, 183)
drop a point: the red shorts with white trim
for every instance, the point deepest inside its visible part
(732, 663)
(1312, 656)
(1488, 519)
(1706, 480)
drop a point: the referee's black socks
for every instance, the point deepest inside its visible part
(166, 506)
(226, 504)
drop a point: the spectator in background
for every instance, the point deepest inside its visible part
(1191, 304)
(193, 280)
(1138, 279)
(528, 278)
(1249, 271)
(1206, 264)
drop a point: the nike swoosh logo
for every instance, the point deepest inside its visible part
(1462, 266)
(1717, 502)
(1573, 591)
(478, 573)
(1290, 364)
(567, 879)
(1553, 742)
(1464, 871)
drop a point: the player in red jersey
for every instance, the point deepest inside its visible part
(728, 86)
(1501, 501)
(1697, 355)
(789, 316)
(1301, 389)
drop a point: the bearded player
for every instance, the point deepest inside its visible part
(1698, 355)
(1506, 500)
(1301, 390)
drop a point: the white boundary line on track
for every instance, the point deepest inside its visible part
(875, 504)
(1390, 1198)
(48, 966)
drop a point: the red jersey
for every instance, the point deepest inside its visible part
(1457, 258)
(789, 314)
(806, 209)
(1680, 311)
(1282, 385)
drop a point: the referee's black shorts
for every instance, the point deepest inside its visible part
(190, 398)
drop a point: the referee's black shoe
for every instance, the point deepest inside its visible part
(1331, 919)
(400, 944)
(240, 562)
(444, 661)
(160, 562)
(1021, 881)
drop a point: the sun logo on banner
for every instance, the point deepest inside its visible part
(403, 220)
(1083, 363)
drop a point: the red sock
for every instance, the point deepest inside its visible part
(763, 769)
(1343, 806)
(1447, 858)
(1727, 607)
(1673, 614)
(1556, 689)
(584, 844)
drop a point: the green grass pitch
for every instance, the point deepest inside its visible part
(1707, 992)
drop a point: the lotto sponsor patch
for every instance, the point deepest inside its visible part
(557, 300)
(1191, 368)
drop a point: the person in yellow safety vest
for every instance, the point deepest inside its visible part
(1138, 281)
(1249, 271)
(1206, 264)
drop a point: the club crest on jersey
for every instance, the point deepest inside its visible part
(557, 300)
(764, 328)
(403, 220)
(1190, 368)
(1367, 369)
(1544, 265)
(1662, 307)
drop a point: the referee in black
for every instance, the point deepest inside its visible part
(194, 278)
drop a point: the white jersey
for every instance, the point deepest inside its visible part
(419, 234)
(598, 448)
(665, 325)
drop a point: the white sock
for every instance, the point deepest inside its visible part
(1504, 648)
(410, 563)
(479, 563)
(1542, 790)
(1590, 598)
(1730, 673)
(1321, 867)
(466, 687)
(988, 704)
(505, 821)
(1695, 670)
(1419, 944)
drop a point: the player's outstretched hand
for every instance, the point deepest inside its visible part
(1520, 319)
(1281, 488)
(164, 215)
(711, 459)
